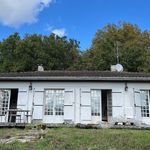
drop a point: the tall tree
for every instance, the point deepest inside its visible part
(53, 52)
(8, 53)
(131, 42)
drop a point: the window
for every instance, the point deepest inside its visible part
(95, 102)
(49, 102)
(54, 102)
(4, 100)
(145, 104)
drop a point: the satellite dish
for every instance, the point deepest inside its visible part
(119, 68)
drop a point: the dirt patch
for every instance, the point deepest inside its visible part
(30, 135)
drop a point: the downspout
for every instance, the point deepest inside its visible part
(134, 104)
(80, 105)
(32, 106)
(74, 103)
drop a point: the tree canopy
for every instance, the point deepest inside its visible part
(133, 46)
(61, 53)
(53, 52)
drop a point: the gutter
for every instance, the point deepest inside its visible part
(62, 78)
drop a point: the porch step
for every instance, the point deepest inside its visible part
(105, 124)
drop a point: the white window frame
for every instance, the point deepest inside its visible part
(145, 105)
(4, 101)
(95, 102)
(57, 100)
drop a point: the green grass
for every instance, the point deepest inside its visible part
(83, 139)
(6, 133)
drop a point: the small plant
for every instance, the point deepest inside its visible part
(40, 126)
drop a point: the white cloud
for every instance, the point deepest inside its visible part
(17, 12)
(60, 32)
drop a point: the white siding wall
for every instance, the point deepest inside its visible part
(79, 95)
(123, 102)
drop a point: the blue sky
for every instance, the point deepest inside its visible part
(77, 19)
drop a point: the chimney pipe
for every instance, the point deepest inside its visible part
(40, 68)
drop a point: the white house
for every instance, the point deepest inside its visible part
(86, 97)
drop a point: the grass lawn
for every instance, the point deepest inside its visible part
(82, 139)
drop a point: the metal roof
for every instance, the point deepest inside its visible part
(75, 76)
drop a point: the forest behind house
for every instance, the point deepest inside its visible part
(60, 53)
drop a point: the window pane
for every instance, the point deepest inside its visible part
(59, 102)
(95, 102)
(4, 99)
(145, 104)
(49, 96)
(54, 102)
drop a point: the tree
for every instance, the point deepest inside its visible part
(61, 53)
(53, 52)
(8, 53)
(132, 43)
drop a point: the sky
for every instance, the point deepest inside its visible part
(76, 19)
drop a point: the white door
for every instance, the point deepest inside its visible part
(129, 104)
(145, 106)
(54, 106)
(137, 104)
(4, 105)
(38, 105)
(69, 103)
(85, 106)
(117, 104)
(96, 106)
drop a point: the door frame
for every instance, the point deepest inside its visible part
(16, 89)
(107, 116)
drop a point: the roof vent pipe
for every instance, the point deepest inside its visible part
(40, 68)
(113, 68)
